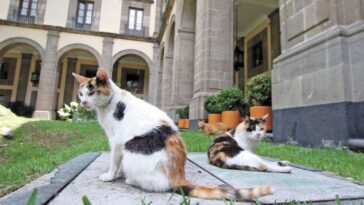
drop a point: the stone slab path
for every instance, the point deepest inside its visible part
(79, 177)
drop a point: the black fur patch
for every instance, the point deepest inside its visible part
(232, 150)
(119, 111)
(224, 138)
(90, 87)
(253, 124)
(100, 81)
(151, 141)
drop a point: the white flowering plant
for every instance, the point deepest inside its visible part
(75, 113)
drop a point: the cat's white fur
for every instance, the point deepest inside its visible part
(249, 140)
(140, 170)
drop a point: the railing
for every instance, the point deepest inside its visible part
(133, 31)
(23, 19)
(80, 26)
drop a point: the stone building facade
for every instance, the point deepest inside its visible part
(174, 53)
(43, 41)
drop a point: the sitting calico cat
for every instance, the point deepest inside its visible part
(145, 143)
(233, 149)
(215, 129)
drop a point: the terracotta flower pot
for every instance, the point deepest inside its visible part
(230, 118)
(186, 123)
(214, 118)
(181, 123)
(260, 111)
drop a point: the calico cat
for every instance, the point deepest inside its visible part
(233, 150)
(145, 143)
(215, 129)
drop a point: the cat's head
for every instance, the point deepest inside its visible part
(94, 92)
(254, 128)
(201, 123)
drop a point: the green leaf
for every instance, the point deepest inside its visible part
(33, 197)
(85, 200)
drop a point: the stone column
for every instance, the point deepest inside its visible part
(26, 59)
(154, 81)
(106, 58)
(184, 47)
(214, 51)
(47, 90)
(68, 89)
(158, 13)
(167, 85)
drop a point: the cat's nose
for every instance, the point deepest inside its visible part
(84, 103)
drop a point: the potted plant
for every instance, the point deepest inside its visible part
(260, 97)
(231, 100)
(183, 114)
(213, 107)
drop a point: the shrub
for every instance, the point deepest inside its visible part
(259, 90)
(212, 104)
(231, 99)
(20, 109)
(76, 113)
(183, 112)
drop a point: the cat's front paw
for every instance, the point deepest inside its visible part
(107, 177)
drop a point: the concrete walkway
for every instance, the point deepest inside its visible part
(79, 179)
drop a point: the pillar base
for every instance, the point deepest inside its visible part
(44, 115)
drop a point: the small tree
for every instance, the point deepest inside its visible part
(183, 112)
(212, 105)
(231, 99)
(260, 90)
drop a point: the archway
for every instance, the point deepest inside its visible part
(77, 59)
(20, 67)
(131, 71)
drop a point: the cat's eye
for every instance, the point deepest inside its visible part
(91, 93)
(80, 94)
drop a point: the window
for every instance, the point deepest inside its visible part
(4, 71)
(28, 8)
(90, 73)
(84, 13)
(135, 21)
(257, 54)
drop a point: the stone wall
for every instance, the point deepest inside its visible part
(316, 95)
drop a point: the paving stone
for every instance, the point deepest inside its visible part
(300, 185)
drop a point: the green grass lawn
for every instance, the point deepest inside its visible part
(41, 146)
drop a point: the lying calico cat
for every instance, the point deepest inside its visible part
(145, 143)
(215, 129)
(233, 149)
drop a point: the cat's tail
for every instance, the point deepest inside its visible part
(224, 193)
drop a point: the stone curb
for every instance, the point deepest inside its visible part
(66, 173)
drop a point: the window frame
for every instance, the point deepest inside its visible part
(85, 13)
(135, 19)
(29, 9)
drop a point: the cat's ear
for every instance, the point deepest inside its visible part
(79, 78)
(101, 77)
(265, 116)
(247, 118)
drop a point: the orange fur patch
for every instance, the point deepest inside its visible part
(177, 158)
